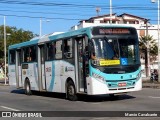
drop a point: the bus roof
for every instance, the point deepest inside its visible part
(61, 35)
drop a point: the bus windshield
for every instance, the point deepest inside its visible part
(124, 50)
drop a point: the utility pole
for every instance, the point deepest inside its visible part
(110, 11)
(5, 60)
(40, 24)
(147, 60)
(158, 18)
(98, 9)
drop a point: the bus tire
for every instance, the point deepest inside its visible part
(28, 88)
(71, 91)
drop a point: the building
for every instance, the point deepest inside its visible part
(142, 25)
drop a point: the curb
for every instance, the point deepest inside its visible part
(151, 85)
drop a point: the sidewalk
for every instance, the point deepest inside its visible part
(146, 83)
(2, 81)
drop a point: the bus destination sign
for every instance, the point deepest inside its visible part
(111, 31)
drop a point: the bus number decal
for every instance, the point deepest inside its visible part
(48, 69)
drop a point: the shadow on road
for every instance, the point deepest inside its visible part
(104, 98)
(82, 98)
(18, 91)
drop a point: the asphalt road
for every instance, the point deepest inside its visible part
(146, 100)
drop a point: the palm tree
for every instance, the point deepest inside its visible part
(152, 49)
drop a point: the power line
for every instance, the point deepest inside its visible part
(73, 5)
(39, 17)
(44, 12)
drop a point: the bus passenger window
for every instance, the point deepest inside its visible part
(68, 48)
(58, 52)
(26, 54)
(50, 51)
(29, 54)
(12, 57)
(32, 54)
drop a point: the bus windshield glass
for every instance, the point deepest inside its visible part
(115, 51)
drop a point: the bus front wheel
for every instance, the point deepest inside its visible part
(27, 88)
(71, 91)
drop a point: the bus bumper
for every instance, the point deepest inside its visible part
(96, 87)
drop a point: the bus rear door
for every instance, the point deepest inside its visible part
(18, 69)
(41, 67)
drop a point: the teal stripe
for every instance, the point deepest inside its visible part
(53, 77)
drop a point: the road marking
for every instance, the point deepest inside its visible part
(96, 103)
(99, 119)
(9, 108)
(153, 97)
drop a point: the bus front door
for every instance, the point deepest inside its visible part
(80, 61)
(18, 69)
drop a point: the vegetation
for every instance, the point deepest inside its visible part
(14, 36)
(153, 48)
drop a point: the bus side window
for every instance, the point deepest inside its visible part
(50, 51)
(68, 48)
(12, 56)
(26, 54)
(58, 52)
(32, 53)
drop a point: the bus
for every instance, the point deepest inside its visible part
(95, 60)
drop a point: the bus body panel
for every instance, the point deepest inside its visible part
(67, 73)
(12, 75)
(57, 73)
(29, 70)
(53, 78)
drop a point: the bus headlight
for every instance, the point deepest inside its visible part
(98, 77)
(138, 76)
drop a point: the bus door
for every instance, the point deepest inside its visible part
(41, 61)
(18, 68)
(81, 62)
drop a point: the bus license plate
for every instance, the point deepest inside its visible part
(121, 84)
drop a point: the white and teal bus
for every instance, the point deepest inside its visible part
(94, 61)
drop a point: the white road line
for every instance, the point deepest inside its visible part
(96, 103)
(153, 97)
(9, 108)
(99, 118)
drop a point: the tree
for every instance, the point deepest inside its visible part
(153, 48)
(16, 36)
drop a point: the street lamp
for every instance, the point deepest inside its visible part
(40, 32)
(153, 1)
(5, 61)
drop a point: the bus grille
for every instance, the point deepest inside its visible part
(113, 89)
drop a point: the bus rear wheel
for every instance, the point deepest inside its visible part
(71, 91)
(28, 88)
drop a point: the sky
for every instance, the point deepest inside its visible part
(63, 14)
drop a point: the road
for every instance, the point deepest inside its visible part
(15, 100)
